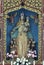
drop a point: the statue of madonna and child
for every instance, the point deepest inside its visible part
(22, 38)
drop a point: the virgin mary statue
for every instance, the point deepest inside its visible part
(22, 39)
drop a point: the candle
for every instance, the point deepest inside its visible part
(33, 62)
(3, 62)
(11, 63)
(43, 62)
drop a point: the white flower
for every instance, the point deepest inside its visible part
(29, 55)
(7, 54)
(18, 59)
(10, 55)
(26, 60)
(14, 63)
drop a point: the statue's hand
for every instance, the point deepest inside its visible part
(26, 24)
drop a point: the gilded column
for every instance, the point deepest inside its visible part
(42, 29)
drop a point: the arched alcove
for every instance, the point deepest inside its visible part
(29, 7)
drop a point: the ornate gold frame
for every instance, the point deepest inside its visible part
(39, 27)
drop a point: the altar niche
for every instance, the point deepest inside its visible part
(22, 34)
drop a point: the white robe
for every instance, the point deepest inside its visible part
(22, 41)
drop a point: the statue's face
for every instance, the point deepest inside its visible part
(22, 17)
(27, 18)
